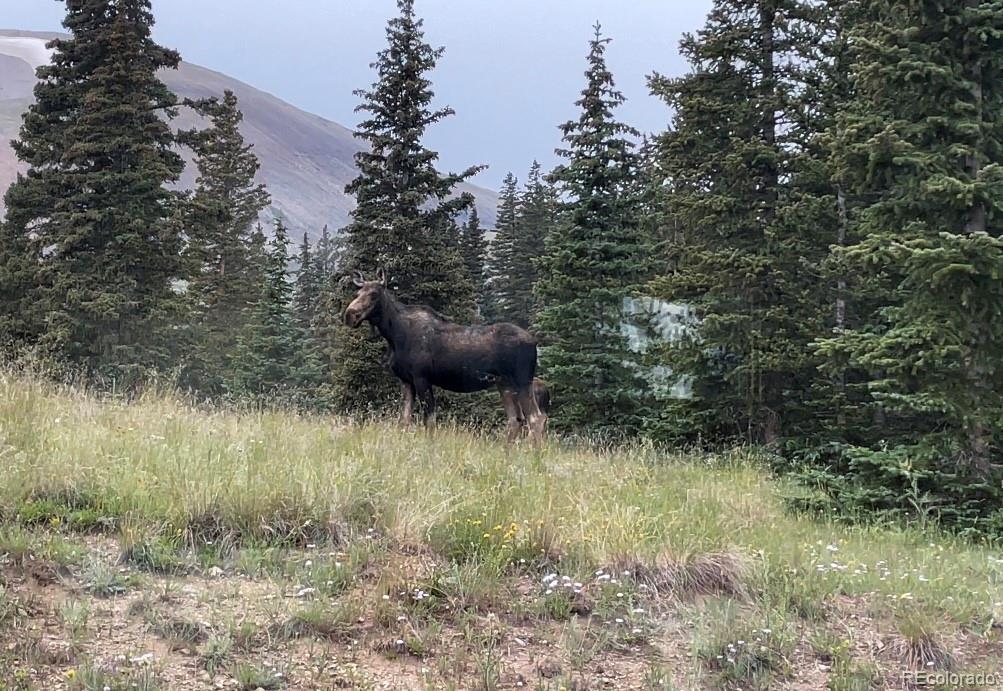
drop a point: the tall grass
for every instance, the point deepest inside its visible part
(199, 476)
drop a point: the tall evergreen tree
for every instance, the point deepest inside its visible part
(327, 328)
(270, 359)
(89, 258)
(524, 219)
(307, 314)
(403, 221)
(594, 259)
(537, 214)
(503, 252)
(473, 248)
(225, 251)
(747, 233)
(918, 151)
(309, 278)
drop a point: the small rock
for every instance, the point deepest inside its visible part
(216, 572)
(549, 668)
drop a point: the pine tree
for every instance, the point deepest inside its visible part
(309, 277)
(41, 144)
(503, 252)
(87, 242)
(225, 252)
(270, 361)
(473, 248)
(918, 152)
(327, 328)
(403, 220)
(594, 259)
(749, 225)
(537, 214)
(307, 309)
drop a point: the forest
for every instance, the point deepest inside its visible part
(826, 202)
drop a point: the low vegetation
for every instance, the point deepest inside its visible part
(273, 550)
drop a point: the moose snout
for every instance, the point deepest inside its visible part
(351, 317)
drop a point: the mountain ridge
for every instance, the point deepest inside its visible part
(306, 159)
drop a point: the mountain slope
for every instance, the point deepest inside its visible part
(306, 160)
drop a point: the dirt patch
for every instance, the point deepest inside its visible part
(404, 620)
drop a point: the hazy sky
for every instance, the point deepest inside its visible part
(512, 69)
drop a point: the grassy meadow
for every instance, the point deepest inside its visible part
(152, 544)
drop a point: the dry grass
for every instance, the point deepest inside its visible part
(373, 553)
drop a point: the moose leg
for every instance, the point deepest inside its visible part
(513, 413)
(536, 419)
(427, 396)
(407, 391)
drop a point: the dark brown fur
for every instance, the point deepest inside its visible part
(427, 350)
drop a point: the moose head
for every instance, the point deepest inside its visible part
(369, 299)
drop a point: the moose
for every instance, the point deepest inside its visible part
(428, 350)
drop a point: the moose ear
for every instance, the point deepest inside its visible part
(381, 276)
(358, 279)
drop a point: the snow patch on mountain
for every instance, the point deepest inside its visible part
(31, 50)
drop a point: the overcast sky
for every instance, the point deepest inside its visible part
(512, 69)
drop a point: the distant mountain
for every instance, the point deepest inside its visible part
(306, 160)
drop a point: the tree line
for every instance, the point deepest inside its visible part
(825, 205)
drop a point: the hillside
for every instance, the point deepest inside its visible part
(306, 159)
(157, 545)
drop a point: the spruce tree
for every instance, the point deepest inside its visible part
(748, 222)
(537, 214)
(224, 251)
(403, 221)
(593, 260)
(89, 256)
(327, 328)
(503, 252)
(473, 248)
(309, 278)
(270, 360)
(307, 307)
(918, 151)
